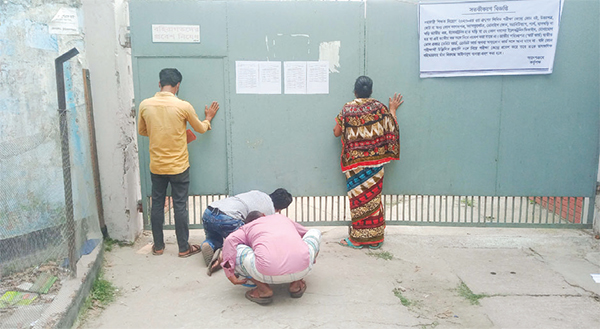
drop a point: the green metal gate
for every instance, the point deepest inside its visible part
(477, 151)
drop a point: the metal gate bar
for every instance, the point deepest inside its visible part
(563, 212)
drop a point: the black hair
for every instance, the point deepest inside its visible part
(252, 216)
(363, 87)
(281, 198)
(170, 77)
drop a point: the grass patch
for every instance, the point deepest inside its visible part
(103, 293)
(385, 255)
(110, 243)
(405, 301)
(464, 291)
(467, 202)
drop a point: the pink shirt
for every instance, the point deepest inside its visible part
(277, 244)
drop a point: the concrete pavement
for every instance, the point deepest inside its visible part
(437, 277)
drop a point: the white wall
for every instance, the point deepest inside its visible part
(109, 61)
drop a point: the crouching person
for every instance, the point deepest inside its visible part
(270, 250)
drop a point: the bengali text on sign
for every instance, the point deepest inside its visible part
(488, 37)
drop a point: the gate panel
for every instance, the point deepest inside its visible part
(549, 132)
(202, 83)
(463, 139)
(448, 127)
(497, 135)
(287, 140)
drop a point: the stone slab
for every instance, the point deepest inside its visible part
(507, 272)
(543, 312)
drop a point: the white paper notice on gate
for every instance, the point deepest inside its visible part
(476, 38)
(258, 77)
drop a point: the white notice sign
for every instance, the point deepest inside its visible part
(64, 22)
(317, 77)
(477, 38)
(306, 77)
(176, 33)
(246, 77)
(295, 77)
(253, 77)
(269, 77)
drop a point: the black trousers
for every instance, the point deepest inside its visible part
(179, 191)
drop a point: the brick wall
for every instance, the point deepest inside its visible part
(569, 208)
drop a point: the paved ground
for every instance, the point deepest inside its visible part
(522, 278)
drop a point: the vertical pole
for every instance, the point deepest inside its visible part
(66, 158)
(94, 151)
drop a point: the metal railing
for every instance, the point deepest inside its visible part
(435, 210)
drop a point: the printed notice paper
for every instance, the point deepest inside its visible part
(306, 77)
(64, 22)
(474, 38)
(295, 77)
(269, 80)
(264, 77)
(253, 77)
(317, 77)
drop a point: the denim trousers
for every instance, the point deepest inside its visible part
(217, 226)
(179, 191)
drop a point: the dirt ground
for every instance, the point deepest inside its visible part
(423, 277)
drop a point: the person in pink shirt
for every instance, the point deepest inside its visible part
(270, 250)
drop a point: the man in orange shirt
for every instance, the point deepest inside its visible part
(163, 119)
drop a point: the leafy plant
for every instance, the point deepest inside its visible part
(464, 291)
(385, 255)
(405, 301)
(467, 202)
(110, 243)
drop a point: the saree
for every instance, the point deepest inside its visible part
(370, 139)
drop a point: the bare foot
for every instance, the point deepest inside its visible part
(297, 285)
(262, 290)
(297, 288)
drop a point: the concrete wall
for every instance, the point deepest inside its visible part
(32, 194)
(32, 197)
(112, 87)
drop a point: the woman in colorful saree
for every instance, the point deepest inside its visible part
(370, 139)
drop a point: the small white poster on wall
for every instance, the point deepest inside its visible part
(64, 22)
(258, 77)
(475, 38)
(295, 77)
(317, 77)
(306, 77)
(175, 33)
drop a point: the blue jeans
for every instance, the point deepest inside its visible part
(217, 226)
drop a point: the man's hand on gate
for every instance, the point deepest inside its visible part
(209, 112)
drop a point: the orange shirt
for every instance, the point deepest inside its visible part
(163, 119)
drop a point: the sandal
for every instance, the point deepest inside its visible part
(157, 252)
(194, 249)
(300, 292)
(258, 300)
(207, 252)
(376, 246)
(214, 261)
(350, 244)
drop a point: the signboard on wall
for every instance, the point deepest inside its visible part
(475, 38)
